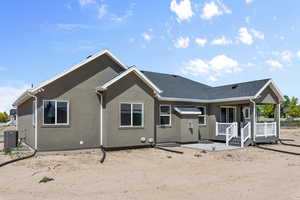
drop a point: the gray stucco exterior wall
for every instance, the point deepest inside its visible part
(78, 87)
(173, 133)
(130, 89)
(25, 125)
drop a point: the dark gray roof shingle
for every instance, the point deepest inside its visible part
(175, 86)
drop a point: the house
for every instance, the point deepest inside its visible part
(101, 102)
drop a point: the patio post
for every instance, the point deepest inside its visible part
(253, 119)
(277, 119)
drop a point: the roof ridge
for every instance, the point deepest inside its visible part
(242, 82)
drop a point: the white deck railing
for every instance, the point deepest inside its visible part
(221, 128)
(266, 129)
(245, 133)
(231, 132)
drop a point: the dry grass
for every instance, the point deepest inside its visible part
(248, 173)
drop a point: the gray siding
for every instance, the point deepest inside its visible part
(130, 89)
(78, 87)
(25, 125)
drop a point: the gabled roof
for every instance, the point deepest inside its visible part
(177, 88)
(28, 93)
(125, 73)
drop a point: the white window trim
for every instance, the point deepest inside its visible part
(246, 109)
(234, 107)
(203, 115)
(131, 107)
(33, 112)
(57, 124)
(169, 115)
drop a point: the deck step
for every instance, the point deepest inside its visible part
(236, 141)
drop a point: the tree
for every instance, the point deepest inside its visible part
(284, 107)
(294, 111)
(3, 117)
(268, 110)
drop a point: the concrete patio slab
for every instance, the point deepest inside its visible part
(214, 146)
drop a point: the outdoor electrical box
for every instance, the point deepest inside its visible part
(10, 139)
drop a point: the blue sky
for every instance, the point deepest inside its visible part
(212, 41)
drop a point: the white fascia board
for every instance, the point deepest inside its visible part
(128, 71)
(204, 100)
(38, 89)
(273, 87)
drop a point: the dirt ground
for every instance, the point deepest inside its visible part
(248, 173)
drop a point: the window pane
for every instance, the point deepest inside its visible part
(125, 114)
(137, 114)
(49, 112)
(202, 110)
(223, 115)
(201, 120)
(62, 112)
(165, 110)
(231, 115)
(164, 120)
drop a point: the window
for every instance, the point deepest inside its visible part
(33, 113)
(202, 116)
(246, 112)
(132, 115)
(165, 115)
(56, 112)
(228, 114)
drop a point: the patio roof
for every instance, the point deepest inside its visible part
(188, 110)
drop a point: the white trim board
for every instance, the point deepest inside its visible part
(128, 71)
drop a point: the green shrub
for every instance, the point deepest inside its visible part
(46, 179)
(7, 151)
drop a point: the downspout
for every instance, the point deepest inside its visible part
(35, 120)
(101, 127)
(101, 118)
(254, 121)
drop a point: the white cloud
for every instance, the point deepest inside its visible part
(183, 9)
(248, 1)
(298, 53)
(86, 2)
(127, 14)
(244, 36)
(221, 41)
(102, 11)
(182, 42)
(224, 64)
(201, 41)
(258, 34)
(70, 27)
(212, 78)
(146, 36)
(214, 9)
(274, 64)
(217, 66)
(247, 20)
(9, 95)
(196, 67)
(285, 55)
